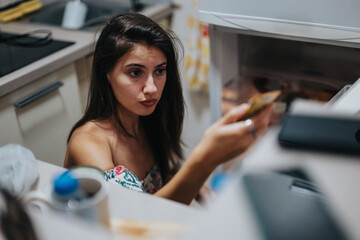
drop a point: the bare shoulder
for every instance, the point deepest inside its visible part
(88, 134)
(89, 145)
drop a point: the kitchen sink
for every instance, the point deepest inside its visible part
(98, 11)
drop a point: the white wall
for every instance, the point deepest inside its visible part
(197, 115)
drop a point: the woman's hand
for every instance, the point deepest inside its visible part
(224, 140)
(229, 137)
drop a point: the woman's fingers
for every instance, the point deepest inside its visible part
(229, 137)
(262, 120)
(234, 114)
(248, 130)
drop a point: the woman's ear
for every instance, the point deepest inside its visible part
(108, 77)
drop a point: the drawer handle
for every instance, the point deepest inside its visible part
(37, 95)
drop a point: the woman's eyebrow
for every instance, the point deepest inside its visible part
(135, 65)
(161, 64)
(142, 66)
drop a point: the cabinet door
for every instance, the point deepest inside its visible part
(44, 113)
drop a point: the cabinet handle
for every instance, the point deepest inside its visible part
(38, 94)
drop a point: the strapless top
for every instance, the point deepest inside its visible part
(123, 176)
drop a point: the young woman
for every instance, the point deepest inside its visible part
(132, 125)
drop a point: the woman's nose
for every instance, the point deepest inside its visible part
(150, 86)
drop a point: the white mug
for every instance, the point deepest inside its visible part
(93, 208)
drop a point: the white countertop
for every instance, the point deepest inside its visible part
(126, 203)
(123, 204)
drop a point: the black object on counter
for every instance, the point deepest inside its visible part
(19, 50)
(325, 133)
(290, 206)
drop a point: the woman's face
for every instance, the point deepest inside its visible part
(138, 79)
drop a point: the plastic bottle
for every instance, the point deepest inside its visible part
(67, 191)
(74, 14)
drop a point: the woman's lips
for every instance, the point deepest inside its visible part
(149, 102)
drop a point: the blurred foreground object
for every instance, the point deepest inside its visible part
(15, 222)
(18, 169)
(347, 99)
(326, 133)
(80, 192)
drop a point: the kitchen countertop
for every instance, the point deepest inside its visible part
(124, 204)
(84, 45)
(147, 206)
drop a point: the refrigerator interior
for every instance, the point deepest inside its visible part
(301, 69)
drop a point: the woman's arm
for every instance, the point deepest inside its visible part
(224, 140)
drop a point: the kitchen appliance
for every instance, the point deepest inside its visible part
(308, 49)
(19, 50)
(300, 69)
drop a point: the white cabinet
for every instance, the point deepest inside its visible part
(46, 110)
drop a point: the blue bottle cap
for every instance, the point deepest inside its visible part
(65, 184)
(219, 181)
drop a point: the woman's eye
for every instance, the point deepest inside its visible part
(135, 73)
(160, 71)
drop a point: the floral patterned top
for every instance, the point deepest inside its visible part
(123, 176)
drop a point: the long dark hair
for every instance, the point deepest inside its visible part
(15, 222)
(164, 126)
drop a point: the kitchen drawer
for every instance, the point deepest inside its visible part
(40, 115)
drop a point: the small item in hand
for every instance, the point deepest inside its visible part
(259, 102)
